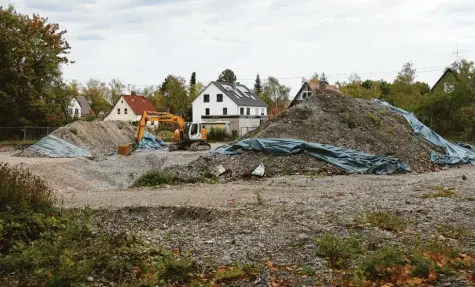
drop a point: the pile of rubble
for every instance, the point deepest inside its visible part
(98, 137)
(328, 118)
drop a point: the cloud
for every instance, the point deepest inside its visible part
(142, 41)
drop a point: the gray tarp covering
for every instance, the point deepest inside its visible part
(149, 141)
(352, 161)
(454, 154)
(53, 146)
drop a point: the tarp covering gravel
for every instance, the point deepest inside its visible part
(52, 146)
(151, 142)
(352, 161)
(454, 153)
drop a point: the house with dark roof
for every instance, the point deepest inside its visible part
(233, 103)
(310, 88)
(129, 108)
(79, 107)
(446, 81)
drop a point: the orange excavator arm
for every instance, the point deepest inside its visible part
(162, 117)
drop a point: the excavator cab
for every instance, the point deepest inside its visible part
(193, 132)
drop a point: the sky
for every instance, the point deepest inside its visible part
(140, 42)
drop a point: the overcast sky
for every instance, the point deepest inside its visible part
(142, 41)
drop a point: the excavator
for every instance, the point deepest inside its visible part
(188, 136)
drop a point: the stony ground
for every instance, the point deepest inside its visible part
(271, 220)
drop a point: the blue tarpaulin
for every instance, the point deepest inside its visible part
(149, 141)
(53, 146)
(454, 153)
(352, 161)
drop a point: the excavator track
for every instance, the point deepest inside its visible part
(200, 146)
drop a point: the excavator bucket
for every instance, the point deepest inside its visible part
(125, 150)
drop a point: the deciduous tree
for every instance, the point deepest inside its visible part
(227, 76)
(275, 94)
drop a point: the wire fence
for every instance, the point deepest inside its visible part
(24, 133)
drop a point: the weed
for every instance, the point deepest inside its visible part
(92, 117)
(73, 131)
(347, 119)
(157, 178)
(259, 198)
(18, 143)
(377, 265)
(338, 250)
(308, 271)
(384, 220)
(422, 267)
(471, 198)
(442, 192)
(288, 171)
(375, 119)
(389, 130)
(228, 275)
(218, 135)
(454, 232)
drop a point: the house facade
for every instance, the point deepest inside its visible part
(129, 108)
(310, 88)
(230, 103)
(446, 81)
(79, 107)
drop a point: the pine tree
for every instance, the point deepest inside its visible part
(193, 79)
(258, 86)
(323, 78)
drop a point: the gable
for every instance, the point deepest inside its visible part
(139, 104)
(448, 75)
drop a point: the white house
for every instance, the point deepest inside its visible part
(129, 108)
(79, 107)
(231, 102)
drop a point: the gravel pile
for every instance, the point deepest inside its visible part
(327, 118)
(99, 137)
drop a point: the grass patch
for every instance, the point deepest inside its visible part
(337, 250)
(374, 118)
(384, 220)
(454, 232)
(229, 274)
(73, 131)
(471, 198)
(443, 192)
(259, 198)
(158, 178)
(18, 143)
(377, 265)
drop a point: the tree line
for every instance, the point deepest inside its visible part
(34, 92)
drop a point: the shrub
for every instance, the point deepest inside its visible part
(375, 119)
(218, 134)
(19, 189)
(156, 177)
(91, 117)
(377, 265)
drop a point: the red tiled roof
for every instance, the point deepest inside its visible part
(315, 87)
(139, 104)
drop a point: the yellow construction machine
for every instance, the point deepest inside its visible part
(188, 136)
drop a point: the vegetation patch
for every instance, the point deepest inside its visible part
(338, 250)
(218, 135)
(384, 220)
(454, 232)
(158, 178)
(441, 192)
(374, 118)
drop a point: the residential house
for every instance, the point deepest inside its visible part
(310, 88)
(232, 103)
(129, 108)
(79, 107)
(445, 82)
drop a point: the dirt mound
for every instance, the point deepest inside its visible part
(328, 118)
(99, 137)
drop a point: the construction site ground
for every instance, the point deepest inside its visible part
(254, 221)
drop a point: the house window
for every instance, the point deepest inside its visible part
(121, 102)
(248, 111)
(448, 87)
(262, 112)
(257, 111)
(242, 111)
(219, 97)
(125, 111)
(206, 99)
(225, 111)
(207, 111)
(118, 111)
(152, 123)
(76, 112)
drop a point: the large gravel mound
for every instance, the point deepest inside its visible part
(99, 137)
(328, 118)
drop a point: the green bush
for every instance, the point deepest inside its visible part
(156, 177)
(19, 189)
(337, 250)
(218, 135)
(91, 117)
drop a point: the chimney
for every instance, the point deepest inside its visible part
(133, 93)
(234, 85)
(322, 85)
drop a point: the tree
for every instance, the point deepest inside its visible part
(227, 76)
(324, 78)
(193, 79)
(95, 93)
(32, 52)
(116, 89)
(275, 94)
(258, 86)
(174, 96)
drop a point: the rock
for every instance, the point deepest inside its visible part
(464, 177)
(90, 279)
(209, 241)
